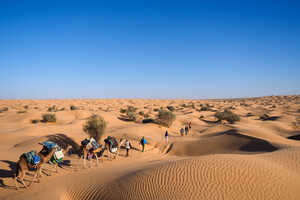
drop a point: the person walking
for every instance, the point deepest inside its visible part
(167, 136)
(143, 143)
(181, 131)
(128, 147)
(190, 125)
(186, 129)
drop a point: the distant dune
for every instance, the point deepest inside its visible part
(256, 157)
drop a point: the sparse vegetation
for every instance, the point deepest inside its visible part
(166, 118)
(35, 121)
(171, 108)
(3, 109)
(155, 109)
(122, 110)
(228, 116)
(48, 118)
(141, 113)
(21, 111)
(52, 109)
(95, 127)
(72, 107)
(26, 107)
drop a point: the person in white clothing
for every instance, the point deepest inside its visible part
(128, 147)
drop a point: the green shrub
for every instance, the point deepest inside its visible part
(166, 118)
(131, 109)
(4, 109)
(48, 118)
(95, 127)
(74, 107)
(122, 110)
(228, 116)
(35, 121)
(131, 115)
(21, 111)
(171, 108)
(52, 109)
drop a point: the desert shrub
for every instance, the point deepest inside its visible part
(26, 107)
(155, 109)
(122, 110)
(131, 115)
(148, 120)
(131, 109)
(141, 113)
(52, 109)
(204, 108)
(183, 105)
(21, 111)
(298, 110)
(4, 109)
(228, 116)
(35, 121)
(62, 109)
(166, 118)
(264, 117)
(146, 115)
(48, 118)
(201, 117)
(72, 107)
(95, 127)
(171, 108)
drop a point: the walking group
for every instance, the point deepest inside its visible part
(186, 130)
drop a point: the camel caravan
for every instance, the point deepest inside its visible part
(50, 153)
(53, 154)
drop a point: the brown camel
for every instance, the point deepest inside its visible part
(115, 154)
(23, 166)
(83, 153)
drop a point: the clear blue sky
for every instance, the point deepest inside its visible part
(149, 49)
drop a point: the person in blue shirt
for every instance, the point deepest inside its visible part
(143, 143)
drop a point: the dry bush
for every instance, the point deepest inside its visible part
(166, 118)
(95, 127)
(3, 109)
(35, 121)
(72, 107)
(22, 111)
(171, 108)
(228, 116)
(48, 118)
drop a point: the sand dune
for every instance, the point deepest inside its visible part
(251, 159)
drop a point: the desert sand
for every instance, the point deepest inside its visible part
(253, 158)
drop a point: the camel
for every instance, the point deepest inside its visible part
(23, 166)
(83, 153)
(108, 148)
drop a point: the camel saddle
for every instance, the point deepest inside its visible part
(32, 157)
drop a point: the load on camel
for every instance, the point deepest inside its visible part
(90, 149)
(58, 155)
(112, 145)
(50, 153)
(31, 161)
